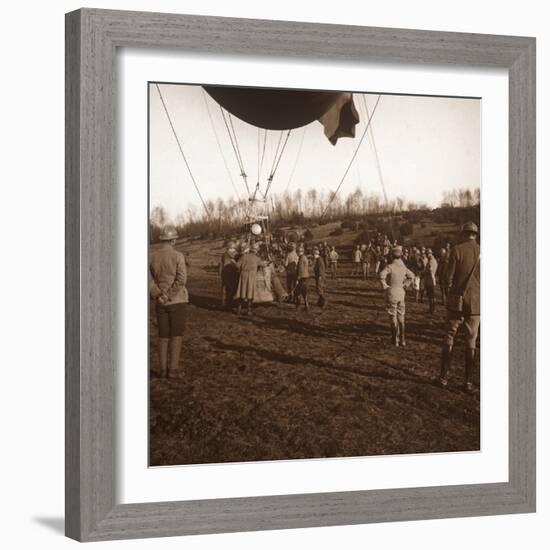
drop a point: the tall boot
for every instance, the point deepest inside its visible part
(469, 370)
(401, 331)
(249, 307)
(432, 305)
(446, 355)
(175, 352)
(394, 337)
(163, 356)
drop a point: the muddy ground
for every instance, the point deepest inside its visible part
(287, 383)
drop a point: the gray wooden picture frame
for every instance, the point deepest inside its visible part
(92, 39)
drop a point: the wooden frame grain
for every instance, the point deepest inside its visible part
(92, 39)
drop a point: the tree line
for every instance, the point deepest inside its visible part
(226, 217)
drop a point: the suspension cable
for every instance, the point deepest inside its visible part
(296, 160)
(181, 151)
(375, 150)
(219, 145)
(276, 165)
(352, 158)
(237, 156)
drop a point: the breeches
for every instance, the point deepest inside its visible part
(301, 289)
(320, 286)
(471, 326)
(396, 308)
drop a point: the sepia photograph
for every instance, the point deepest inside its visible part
(314, 274)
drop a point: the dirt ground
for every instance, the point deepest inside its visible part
(286, 383)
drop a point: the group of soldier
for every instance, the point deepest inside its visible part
(397, 268)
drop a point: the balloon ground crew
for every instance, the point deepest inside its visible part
(167, 280)
(394, 277)
(302, 277)
(291, 267)
(248, 265)
(319, 271)
(463, 302)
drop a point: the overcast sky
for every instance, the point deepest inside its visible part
(426, 146)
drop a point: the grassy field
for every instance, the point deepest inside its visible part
(287, 383)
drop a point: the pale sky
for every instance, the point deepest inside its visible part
(426, 146)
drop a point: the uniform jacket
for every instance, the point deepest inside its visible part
(429, 272)
(319, 268)
(303, 267)
(291, 262)
(168, 275)
(393, 278)
(461, 262)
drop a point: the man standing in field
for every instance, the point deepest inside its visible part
(333, 262)
(393, 278)
(357, 260)
(463, 302)
(319, 271)
(302, 276)
(229, 275)
(291, 266)
(365, 260)
(167, 280)
(429, 279)
(442, 274)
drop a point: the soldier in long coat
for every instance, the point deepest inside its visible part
(463, 302)
(248, 265)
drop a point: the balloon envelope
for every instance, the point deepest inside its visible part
(287, 109)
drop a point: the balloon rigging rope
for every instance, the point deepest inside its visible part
(181, 151)
(219, 144)
(235, 150)
(375, 150)
(353, 157)
(297, 157)
(276, 165)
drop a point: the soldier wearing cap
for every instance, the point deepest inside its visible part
(302, 276)
(167, 280)
(229, 275)
(248, 265)
(333, 261)
(393, 278)
(463, 302)
(428, 276)
(291, 267)
(319, 271)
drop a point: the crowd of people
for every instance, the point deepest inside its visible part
(247, 270)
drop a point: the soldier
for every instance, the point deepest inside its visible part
(229, 275)
(302, 277)
(333, 262)
(442, 274)
(394, 278)
(319, 271)
(463, 302)
(248, 265)
(429, 278)
(291, 265)
(167, 280)
(357, 261)
(365, 260)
